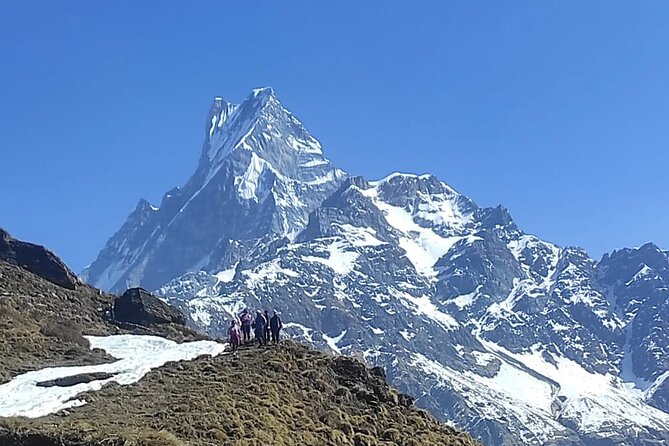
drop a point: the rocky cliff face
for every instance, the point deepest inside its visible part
(506, 335)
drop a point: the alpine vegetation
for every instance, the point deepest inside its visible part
(510, 337)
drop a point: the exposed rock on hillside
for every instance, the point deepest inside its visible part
(36, 259)
(138, 306)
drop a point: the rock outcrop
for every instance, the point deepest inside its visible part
(36, 259)
(137, 306)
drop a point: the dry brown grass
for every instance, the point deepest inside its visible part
(41, 324)
(287, 395)
(65, 331)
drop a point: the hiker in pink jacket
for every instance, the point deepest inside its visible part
(246, 318)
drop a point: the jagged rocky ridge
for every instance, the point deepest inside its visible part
(259, 176)
(510, 337)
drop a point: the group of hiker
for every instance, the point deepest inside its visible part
(265, 328)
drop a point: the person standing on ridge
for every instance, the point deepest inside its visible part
(275, 326)
(259, 325)
(266, 314)
(234, 336)
(246, 319)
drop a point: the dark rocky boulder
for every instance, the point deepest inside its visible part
(138, 306)
(38, 260)
(69, 381)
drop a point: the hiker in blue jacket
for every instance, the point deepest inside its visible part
(275, 326)
(259, 326)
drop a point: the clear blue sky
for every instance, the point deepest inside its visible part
(556, 109)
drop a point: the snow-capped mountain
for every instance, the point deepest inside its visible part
(260, 175)
(511, 338)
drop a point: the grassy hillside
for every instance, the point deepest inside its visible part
(41, 324)
(279, 395)
(285, 395)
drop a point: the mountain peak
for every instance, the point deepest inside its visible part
(263, 92)
(144, 205)
(229, 126)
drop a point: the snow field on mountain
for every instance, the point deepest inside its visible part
(423, 246)
(248, 184)
(305, 332)
(315, 162)
(593, 400)
(199, 311)
(268, 272)
(333, 341)
(423, 305)
(226, 275)
(516, 394)
(462, 301)
(339, 260)
(137, 355)
(340, 253)
(359, 236)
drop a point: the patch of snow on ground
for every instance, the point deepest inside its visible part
(359, 236)
(328, 177)
(377, 331)
(496, 397)
(593, 400)
(310, 145)
(199, 312)
(137, 355)
(464, 300)
(656, 385)
(523, 386)
(306, 331)
(315, 162)
(399, 174)
(441, 209)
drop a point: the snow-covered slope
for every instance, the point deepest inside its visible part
(510, 337)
